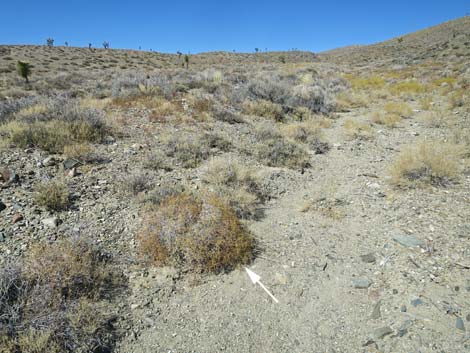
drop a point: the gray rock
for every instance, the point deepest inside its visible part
(403, 308)
(459, 324)
(376, 311)
(71, 163)
(403, 330)
(409, 241)
(49, 161)
(382, 332)
(2, 206)
(52, 222)
(416, 302)
(2, 237)
(361, 283)
(467, 317)
(368, 258)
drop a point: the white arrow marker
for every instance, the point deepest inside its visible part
(256, 279)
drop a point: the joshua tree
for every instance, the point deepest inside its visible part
(66, 44)
(186, 60)
(89, 46)
(106, 45)
(400, 39)
(50, 42)
(24, 70)
(256, 49)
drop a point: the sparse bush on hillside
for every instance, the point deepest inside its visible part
(316, 98)
(428, 162)
(237, 184)
(387, 119)
(264, 108)
(400, 108)
(279, 152)
(53, 301)
(188, 149)
(226, 115)
(197, 233)
(53, 195)
(268, 89)
(357, 130)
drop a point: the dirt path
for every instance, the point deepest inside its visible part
(312, 239)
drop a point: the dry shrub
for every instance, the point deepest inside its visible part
(136, 183)
(237, 184)
(201, 234)
(309, 132)
(407, 87)
(263, 108)
(191, 149)
(83, 152)
(366, 83)
(279, 152)
(428, 162)
(390, 120)
(425, 103)
(400, 108)
(53, 195)
(54, 301)
(437, 119)
(357, 130)
(349, 99)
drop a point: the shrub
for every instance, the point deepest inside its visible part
(201, 234)
(53, 195)
(400, 108)
(366, 83)
(390, 120)
(137, 183)
(226, 115)
(264, 108)
(279, 152)
(357, 130)
(189, 149)
(316, 98)
(53, 301)
(407, 87)
(428, 162)
(83, 152)
(268, 89)
(236, 184)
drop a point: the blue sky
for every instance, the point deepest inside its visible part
(206, 25)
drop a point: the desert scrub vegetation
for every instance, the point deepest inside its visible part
(309, 132)
(387, 119)
(357, 130)
(408, 88)
(237, 184)
(195, 233)
(56, 299)
(401, 109)
(190, 149)
(54, 124)
(53, 195)
(263, 108)
(365, 83)
(429, 162)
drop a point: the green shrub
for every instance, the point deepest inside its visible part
(53, 195)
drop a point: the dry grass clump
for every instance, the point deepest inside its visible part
(201, 234)
(390, 120)
(428, 162)
(437, 119)
(347, 100)
(237, 184)
(188, 149)
(54, 301)
(280, 152)
(263, 108)
(136, 183)
(83, 152)
(309, 132)
(357, 130)
(53, 195)
(366, 83)
(400, 108)
(407, 87)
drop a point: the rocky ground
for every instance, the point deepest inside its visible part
(357, 263)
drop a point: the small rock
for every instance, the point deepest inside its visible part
(49, 161)
(382, 332)
(2, 206)
(72, 173)
(459, 324)
(416, 302)
(403, 308)
(52, 222)
(376, 311)
(2, 237)
(409, 241)
(109, 139)
(18, 217)
(368, 258)
(71, 163)
(403, 330)
(467, 317)
(361, 283)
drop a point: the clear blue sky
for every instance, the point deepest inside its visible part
(206, 25)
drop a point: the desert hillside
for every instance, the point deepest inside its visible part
(135, 187)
